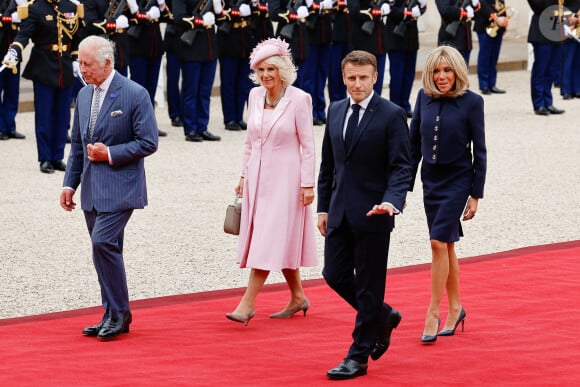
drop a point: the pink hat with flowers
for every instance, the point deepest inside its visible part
(267, 48)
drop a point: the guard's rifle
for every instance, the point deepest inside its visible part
(401, 28)
(115, 9)
(234, 11)
(375, 10)
(134, 30)
(196, 21)
(451, 28)
(290, 15)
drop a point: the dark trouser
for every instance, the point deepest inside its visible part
(381, 60)
(336, 87)
(51, 119)
(235, 87)
(402, 70)
(174, 98)
(487, 59)
(347, 252)
(196, 88)
(315, 70)
(570, 83)
(145, 71)
(542, 77)
(9, 91)
(107, 230)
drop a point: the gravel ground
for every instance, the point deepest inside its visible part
(177, 246)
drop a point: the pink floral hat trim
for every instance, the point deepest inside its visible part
(268, 48)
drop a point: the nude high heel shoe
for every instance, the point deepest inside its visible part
(241, 318)
(287, 313)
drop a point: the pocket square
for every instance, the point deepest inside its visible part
(116, 113)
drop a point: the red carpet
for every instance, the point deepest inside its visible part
(521, 329)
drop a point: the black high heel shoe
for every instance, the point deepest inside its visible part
(430, 339)
(460, 319)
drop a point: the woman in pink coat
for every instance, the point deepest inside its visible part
(277, 181)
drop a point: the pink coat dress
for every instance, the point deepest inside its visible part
(276, 231)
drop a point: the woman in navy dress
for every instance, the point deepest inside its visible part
(447, 132)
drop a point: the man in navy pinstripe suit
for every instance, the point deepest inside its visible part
(107, 158)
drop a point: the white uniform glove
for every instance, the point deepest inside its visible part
(21, 3)
(122, 22)
(302, 12)
(422, 3)
(309, 3)
(217, 7)
(76, 69)
(153, 13)
(385, 9)
(255, 3)
(11, 58)
(326, 4)
(245, 10)
(15, 18)
(208, 19)
(133, 7)
(415, 11)
(474, 3)
(161, 4)
(469, 11)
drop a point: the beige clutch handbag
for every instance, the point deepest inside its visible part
(233, 217)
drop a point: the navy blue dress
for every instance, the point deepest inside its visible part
(448, 134)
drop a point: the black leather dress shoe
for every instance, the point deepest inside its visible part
(497, 90)
(114, 327)
(348, 369)
(207, 136)
(554, 110)
(161, 133)
(176, 121)
(485, 91)
(542, 111)
(68, 139)
(58, 165)
(243, 124)
(15, 135)
(233, 125)
(4, 136)
(567, 96)
(94, 330)
(193, 137)
(384, 339)
(46, 167)
(317, 121)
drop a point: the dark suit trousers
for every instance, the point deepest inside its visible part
(355, 267)
(107, 231)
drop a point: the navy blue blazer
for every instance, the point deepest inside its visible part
(443, 131)
(127, 125)
(376, 168)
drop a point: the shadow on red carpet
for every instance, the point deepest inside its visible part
(521, 329)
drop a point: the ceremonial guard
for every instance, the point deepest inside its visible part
(262, 26)
(172, 71)
(53, 26)
(146, 43)
(198, 53)
(402, 47)
(570, 74)
(291, 18)
(110, 19)
(455, 30)
(368, 32)
(547, 52)
(339, 47)
(490, 24)
(9, 80)
(315, 68)
(235, 41)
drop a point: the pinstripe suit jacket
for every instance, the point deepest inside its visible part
(127, 125)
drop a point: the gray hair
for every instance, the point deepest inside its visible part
(285, 67)
(102, 48)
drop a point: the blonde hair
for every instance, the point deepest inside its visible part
(457, 64)
(285, 66)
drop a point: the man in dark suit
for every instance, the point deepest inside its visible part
(364, 173)
(107, 154)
